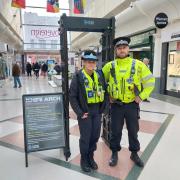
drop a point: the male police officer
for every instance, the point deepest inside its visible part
(87, 98)
(124, 76)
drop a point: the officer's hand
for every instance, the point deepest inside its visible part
(85, 115)
(137, 99)
(111, 100)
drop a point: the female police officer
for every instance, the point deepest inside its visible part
(124, 76)
(87, 98)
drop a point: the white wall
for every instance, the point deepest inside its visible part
(172, 28)
(157, 54)
(11, 32)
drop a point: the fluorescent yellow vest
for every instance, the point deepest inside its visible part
(122, 87)
(94, 89)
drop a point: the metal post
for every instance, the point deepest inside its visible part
(26, 159)
(151, 53)
(108, 55)
(65, 83)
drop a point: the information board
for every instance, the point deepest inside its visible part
(44, 126)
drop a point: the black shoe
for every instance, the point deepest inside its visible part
(92, 162)
(114, 159)
(20, 86)
(134, 157)
(85, 165)
(15, 87)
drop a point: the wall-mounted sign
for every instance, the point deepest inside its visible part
(40, 32)
(175, 35)
(161, 20)
(142, 38)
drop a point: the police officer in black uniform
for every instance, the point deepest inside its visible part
(88, 100)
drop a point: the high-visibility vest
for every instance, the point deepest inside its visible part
(93, 87)
(125, 77)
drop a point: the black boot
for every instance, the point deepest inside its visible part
(85, 165)
(92, 162)
(114, 159)
(134, 157)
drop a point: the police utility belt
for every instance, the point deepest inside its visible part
(120, 103)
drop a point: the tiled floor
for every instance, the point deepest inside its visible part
(158, 131)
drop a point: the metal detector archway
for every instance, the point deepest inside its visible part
(83, 24)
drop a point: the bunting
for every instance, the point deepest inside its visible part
(79, 6)
(18, 3)
(53, 6)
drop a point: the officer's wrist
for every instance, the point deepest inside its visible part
(140, 97)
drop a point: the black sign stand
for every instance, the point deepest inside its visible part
(47, 129)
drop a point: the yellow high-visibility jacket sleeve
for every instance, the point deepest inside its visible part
(148, 82)
(106, 71)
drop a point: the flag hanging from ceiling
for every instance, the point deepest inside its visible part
(53, 6)
(79, 6)
(18, 3)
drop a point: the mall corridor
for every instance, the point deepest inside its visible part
(159, 137)
(44, 43)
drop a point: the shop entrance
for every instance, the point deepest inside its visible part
(142, 46)
(170, 69)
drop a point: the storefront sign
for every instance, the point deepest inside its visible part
(141, 38)
(161, 20)
(175, 35)
(40, 33)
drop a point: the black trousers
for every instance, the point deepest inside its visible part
(36, 73)
(119, 114)
(89, 131)
(28, 73)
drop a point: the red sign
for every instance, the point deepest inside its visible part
(178, 46)
(18, 3)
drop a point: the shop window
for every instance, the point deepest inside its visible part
(171, 58)
(54, 44)
(42, 44)
(173, 68)
(32, 43)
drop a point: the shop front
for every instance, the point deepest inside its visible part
(170, 60)
(142, 46)
(173, 69)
